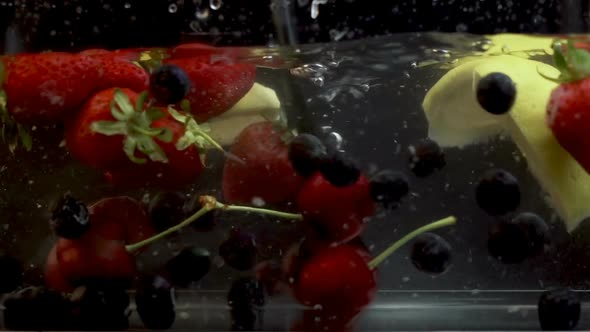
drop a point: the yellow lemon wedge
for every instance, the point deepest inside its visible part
(259, 104)
(456, 119)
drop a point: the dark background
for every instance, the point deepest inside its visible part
(47, 24)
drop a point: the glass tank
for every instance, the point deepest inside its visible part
(309, 165)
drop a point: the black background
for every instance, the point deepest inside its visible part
(46, 24)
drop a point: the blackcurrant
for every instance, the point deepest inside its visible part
(169, 84)
(496, 93)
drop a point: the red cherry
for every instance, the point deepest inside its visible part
(94, 257)
(337, 278)
(336, 212)
(325, 320)
(54, 279)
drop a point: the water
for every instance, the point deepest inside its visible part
(365, 98)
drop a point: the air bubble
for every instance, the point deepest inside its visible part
(315, 10)
(127, 5)
(79, 10)
(318, 81)
(202, 14)
(172, 8)
(215, 4)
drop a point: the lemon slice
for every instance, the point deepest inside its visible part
(259, 104)
(456, 119)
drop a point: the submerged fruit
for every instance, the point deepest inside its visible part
(497, 192)
(239, 250)
(340, 170)
(388, 187)
(166, 209)
(11, 273)
(559, 310)
(496, 93)
(513, 241)
(431, 254)
(155, 302)
(37, 309)
(426, 157)
(246, 301)
(169, 84)
(189, 266)
(307, 153)
(70, 218)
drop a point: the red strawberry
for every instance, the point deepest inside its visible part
(172, 150)
(90, 147)
(118, 72)
(216, 86)
(265, 171)
(567, 110)
(338, 213)
(192, 50)
(44, 88)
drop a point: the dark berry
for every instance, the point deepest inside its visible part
(36, 309)
(388, 187)
(497, 192)
(496, 93)
(166, 210)
(155, 303)
(11, 273)
(513, 241)
(307, 153)
(239, 250)
(431, 253)
(101, 308)
(70, 218)
(559, 310)
(246, 300)
(190, 265)
(169, 84)
(206, 222)
(340, 170)
(426, 157)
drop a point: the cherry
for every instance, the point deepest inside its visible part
(239, 250)
(337, 212)
(342, 278)
(54, 278)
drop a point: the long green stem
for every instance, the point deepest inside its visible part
(209, 203)
(279, 214)
(401, 242)
(189, 220)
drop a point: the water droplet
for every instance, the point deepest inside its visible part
(215, 4)
(461, 27)
(337, 35)
(127, 5)
(318, 307)
(309, 70)
(172, 8)
(202, 14)
(258, 201)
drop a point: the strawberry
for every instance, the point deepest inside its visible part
(118, 72)
(44, 88)
(126, 134)
(338, 213)
(567, 109)
(216, 85)
(264, 170)
(192, 50)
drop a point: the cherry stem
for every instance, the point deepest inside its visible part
(209, 203)
(448, 221)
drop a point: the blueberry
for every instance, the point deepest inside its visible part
(497, 192)
(426, 157)
(239, 250)
(559, 309)
(340, 170)
(388, 187)
(513, 241)
(11, 273)
(169, 84)
(431, 254)
(190, 265)
(496, 93)
(103, 307)
(166, 210)
(246, 300)
(70, 218)
(307, 153)
(36, 309)
(206, 222)
(155, 303)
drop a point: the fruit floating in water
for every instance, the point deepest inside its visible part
(239, 250)
(497, 192)
(559, 310)
(431, 254)
(189, 266)
(425, 158)
(155, 302)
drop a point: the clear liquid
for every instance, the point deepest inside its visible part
(369, 93)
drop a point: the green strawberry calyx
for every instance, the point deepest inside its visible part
(573, 63)
(195, 133)
(134, 123)
(11, 132)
